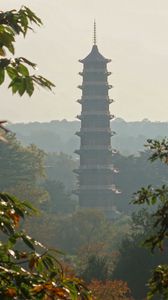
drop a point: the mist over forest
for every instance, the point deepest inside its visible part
(59, 136)
(96, 247)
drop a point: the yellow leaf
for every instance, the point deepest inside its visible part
(11, 292)
(38, 288)
(2, 52)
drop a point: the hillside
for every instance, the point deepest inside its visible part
(59, 136)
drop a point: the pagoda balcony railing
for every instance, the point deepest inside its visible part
(94, 167)
(97, 187)
(95, 98)
(102, 71)
(97, 166)
(95, 129)
(96, 147)
(94, 113)
(93, 147)
(104, 130)
(93, 83)
(106, 60)
(111, 187)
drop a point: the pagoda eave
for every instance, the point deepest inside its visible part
(97, 187)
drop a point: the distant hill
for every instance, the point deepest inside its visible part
(59, 136)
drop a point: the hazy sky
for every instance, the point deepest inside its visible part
(133, 33)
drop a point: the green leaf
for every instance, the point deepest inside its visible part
(29, 85)
(11, 48)
(14, 84)
(22, 86)
(2, 75)
(153, 200)
(6, 40)
(4, 62)
(28, 241)
(14, 88)
(12, 73)
(28, 62)
(23, 70)
(18, 84)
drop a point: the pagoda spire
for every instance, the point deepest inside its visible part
(94, 34)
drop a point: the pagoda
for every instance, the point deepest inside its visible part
(95, 173)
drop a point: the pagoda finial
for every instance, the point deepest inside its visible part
(94, 36)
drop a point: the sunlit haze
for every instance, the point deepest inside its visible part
(132, 33)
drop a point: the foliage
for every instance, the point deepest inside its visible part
(59, 167)
(110, 290)
(134, 263)
(19, 164)
(96, 268)
(14, 23)
(158, 239)
(82, 229)
(59, 200)
(30, 270)
(3, 130)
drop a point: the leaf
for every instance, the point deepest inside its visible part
(38, 288)
(12, 253)
(4, 62)
(2, 75)
(32, 262)
(29, 85)
(7, 39)
(32, 17)
(154, 200)
(11, 48)
(22, 86)
(23, 70)
(28, 62)
(12, 73)
(16, 218)
(11, 292)
(2, 52)
(18, 84)
(28, 241)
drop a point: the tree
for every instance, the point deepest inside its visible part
(19, 164)
(59, 167)
(135, 263)
(14, 23)
(158, 198)
(80, 231)
(110, 290)
(59, 200)
(96, 268)
(22, 170)
(30, 270)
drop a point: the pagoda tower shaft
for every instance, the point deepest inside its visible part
(95, 174)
